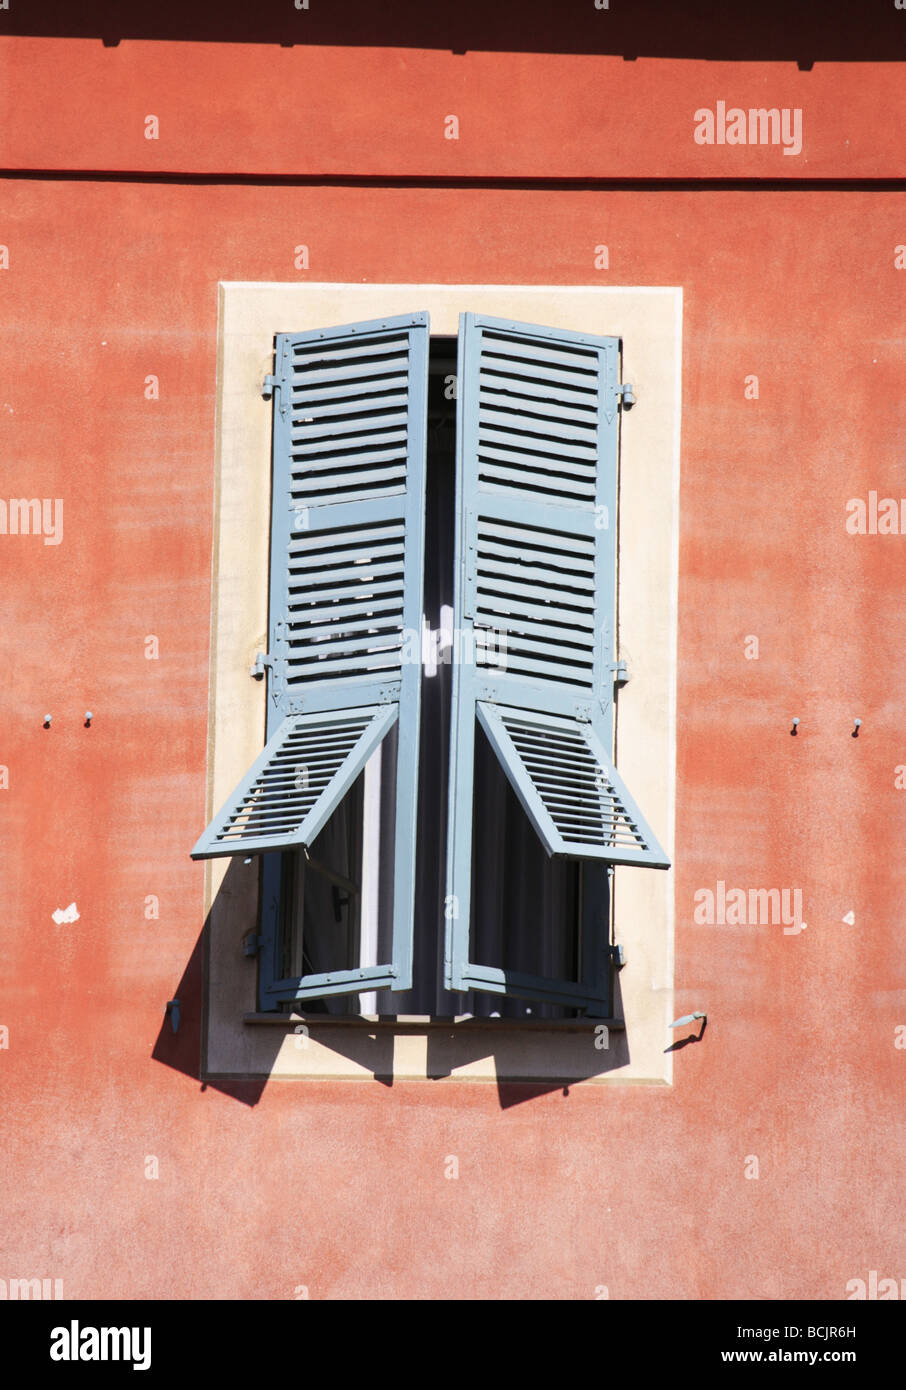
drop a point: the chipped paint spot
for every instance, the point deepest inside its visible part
(66, 914)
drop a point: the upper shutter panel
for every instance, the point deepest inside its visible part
(347, 554)
(535, 430)
(538, 453)
(348, 527)
(349, 406)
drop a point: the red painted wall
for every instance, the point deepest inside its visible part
(341, 1186)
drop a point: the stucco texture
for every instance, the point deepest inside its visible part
(639, 1189)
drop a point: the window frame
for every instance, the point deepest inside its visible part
(250, 314)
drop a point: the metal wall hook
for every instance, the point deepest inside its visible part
(795, 729)
(857, 724)
(172, 1012)
(88, 718)
(47, 721)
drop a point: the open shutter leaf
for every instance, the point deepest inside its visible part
(536, 583)
(569, 787)
(293, 787)
(347, 557)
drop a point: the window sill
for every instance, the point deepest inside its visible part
(419, 1023)
(407, 1047)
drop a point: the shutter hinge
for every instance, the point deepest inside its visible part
(617, 956)
(470, 575)
(262, 659)
(251, 943)
(625, 394)
(620, 673)
(269, 385)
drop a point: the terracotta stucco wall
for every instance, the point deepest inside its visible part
(341, 1186)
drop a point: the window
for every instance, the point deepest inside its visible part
(360, 443)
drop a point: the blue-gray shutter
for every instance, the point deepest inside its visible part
(347, 557)
(537, 442)
(291, 790)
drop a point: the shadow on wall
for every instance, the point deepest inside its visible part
(836, 31)
(690, 1038)
(183, 1049)
(370, 1047)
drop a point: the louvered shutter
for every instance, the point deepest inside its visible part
(347, 555)
(537, 444)
(293, 787)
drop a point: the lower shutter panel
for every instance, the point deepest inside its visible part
(292, 789)
(569, 788)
